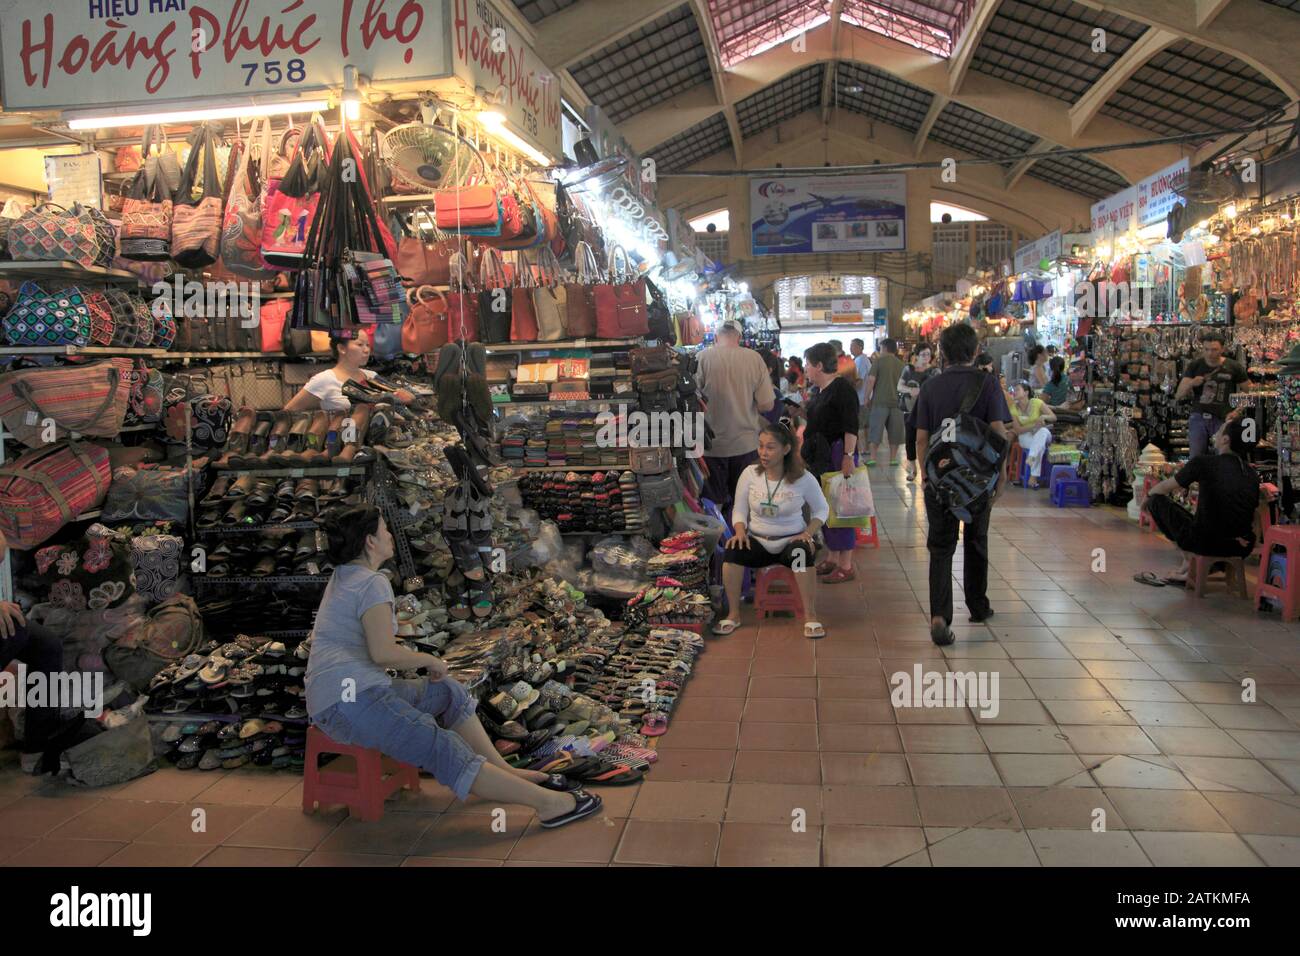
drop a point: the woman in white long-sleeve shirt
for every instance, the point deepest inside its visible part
(769, 524)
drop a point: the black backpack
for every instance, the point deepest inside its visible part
(964, 472)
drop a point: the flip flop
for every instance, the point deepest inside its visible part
(725, 627)
(656, 725)
(1149, 577)
(560, 783)
(813, 629)
(586, 805)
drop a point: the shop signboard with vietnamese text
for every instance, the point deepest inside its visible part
(828, 214)
(1156, 194)
(1031, 254)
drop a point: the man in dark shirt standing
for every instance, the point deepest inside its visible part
(940, 400)
(1214, 378)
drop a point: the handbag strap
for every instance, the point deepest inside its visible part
(413, 296)
(524, 277)
(584, 263)
(51, 487)
(549, 272)
(462, 275)
(492, 270)
(618, 276)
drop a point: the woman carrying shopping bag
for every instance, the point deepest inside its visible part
(830, 444)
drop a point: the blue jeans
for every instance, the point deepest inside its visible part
(411, 721)
(1200, 429)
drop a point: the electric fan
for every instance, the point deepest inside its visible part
(423, 157)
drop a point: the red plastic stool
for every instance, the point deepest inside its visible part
(1286, 537)
(364, 791)
(784, 597)
(865, 537)
(1015, 462)
(1234, 575)
(1145, 521)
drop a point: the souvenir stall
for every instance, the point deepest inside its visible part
(168, 454)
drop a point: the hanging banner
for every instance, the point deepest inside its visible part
(828, 214)
(1156, 194)
(1117, 213)
(1031, 253)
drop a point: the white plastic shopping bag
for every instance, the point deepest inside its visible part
(850, 498)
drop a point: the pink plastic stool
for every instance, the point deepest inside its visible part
(783, 597)
(1287, 538)
(364, 791)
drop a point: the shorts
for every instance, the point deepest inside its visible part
(886, 418)
(756, 556)
(864, 415)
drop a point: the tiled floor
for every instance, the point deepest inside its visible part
(1122, 738)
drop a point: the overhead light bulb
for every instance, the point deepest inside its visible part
(108, 121)
(352, 110)
(1230, 210)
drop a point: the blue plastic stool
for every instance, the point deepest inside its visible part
(1072, 493)
(1043, 470)
(1061, 473)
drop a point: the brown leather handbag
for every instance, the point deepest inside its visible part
(580, 304)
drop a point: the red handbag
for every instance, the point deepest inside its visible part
(523, 316)
(271, 319)
(462, 302)
(621, 311)
(579, 304)
(425, 329)
(465, 207)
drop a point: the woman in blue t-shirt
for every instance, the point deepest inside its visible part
(429, 723)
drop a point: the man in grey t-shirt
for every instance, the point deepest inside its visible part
(737, 388)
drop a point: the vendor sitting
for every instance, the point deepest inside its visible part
(1224, 523)
(768, 519)
(325, 389)
(1031, 418)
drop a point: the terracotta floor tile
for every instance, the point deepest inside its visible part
(865, 770)
(669, 842)
(243, 856)
(804, 665)
(782, 688)
(773, 766)
(952, 770)
(1024, 740)
(940, 739)
(870, 846)
(694, 765)
(774, 803)
(395, 834)
(1086, 848)
(726, 709)
(183, 826)
(848, 667)
(980, 847)
(167, 784)
(250, 787)
(869, 806)
(65, 853)
(758, 844)
(766, 735)
(335, 858)
(701, 735)
(1197, 849)
(680, 801)
(855, 712)
(1068, 808)
(460, 835)
(1250, 813)
(1042, 770)
(1230, 773)
(592, 840)
(37, 814)
(859, 738)
(447, 861)
(125, 822)
(1246, 717)
(285, 828)
(966, 807)
(777, 710)
(865, 687)
(1093, 712)
(157, 854)
(710, 687)
(1169, 810)
(1107, 739)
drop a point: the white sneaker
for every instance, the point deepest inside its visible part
(911, 471)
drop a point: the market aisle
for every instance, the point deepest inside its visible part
(1114, 697)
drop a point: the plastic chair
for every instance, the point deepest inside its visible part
(364, 790)
(1287, 593)
(1061, 473)
(865, 537)
(1198, 569)
(1074, 493)
(1015, 462)
(778, 590)
(1044, 469)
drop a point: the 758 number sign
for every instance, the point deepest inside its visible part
(294, 71)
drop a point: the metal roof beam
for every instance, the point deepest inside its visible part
(828, 80)
(705, 21)
(1134, 58)
(963, 51)
(589, 26)
(937, 106)
(1017, 171)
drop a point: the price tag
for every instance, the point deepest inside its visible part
(31, 418)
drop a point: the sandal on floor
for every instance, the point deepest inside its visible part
(839, 576)
(813, 629)
(656, 725)
(725, 627)
(1149, 577)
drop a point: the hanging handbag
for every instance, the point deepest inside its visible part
(145, 390)
(105, 233)
(425, 329)
(164, 325)
(271, 320)
(146, 231)
(659, 320)
(241, 232)
(47, 487)
(620, 303)
(86, 399)
(494, 300)
(50, 233)
(196, 226)
(462, 302)
(467, 207)
(579, 302)
(291, 201)
(40, 318)
(549, 298)
(523, 317)
(425, 263)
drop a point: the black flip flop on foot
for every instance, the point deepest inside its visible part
(1149, 577)
(587, 804)
(942, 634)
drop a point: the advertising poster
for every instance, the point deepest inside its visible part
(828, 214)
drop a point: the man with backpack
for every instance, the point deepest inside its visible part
(961, 440)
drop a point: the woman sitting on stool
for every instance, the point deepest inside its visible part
(769, 524)
(1031, 418)
(1224, 523)
(429, 723)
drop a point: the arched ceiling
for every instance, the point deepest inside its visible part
(692, 81)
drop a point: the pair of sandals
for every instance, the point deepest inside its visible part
(813, 630)
(828, 572)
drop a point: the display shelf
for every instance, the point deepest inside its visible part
(562, 402)
(269, 356)
(562, 344)
(314, 472)
(67, 270)
(224, 529)
(212, 580)
(78, 350)
(623, 466)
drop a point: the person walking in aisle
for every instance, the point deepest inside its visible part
(737, 390)
(770, 529)
(882, 394)
(830, 442)
(862, 368)
(917, 373)
(1217, 379)
(940, 402)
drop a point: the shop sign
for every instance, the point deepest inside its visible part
(1117, 213)
(64, 54)
(828, 214)
(846, 310)
(489, 53)
(1156, 196)
(880, 317)
(1031, 253)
